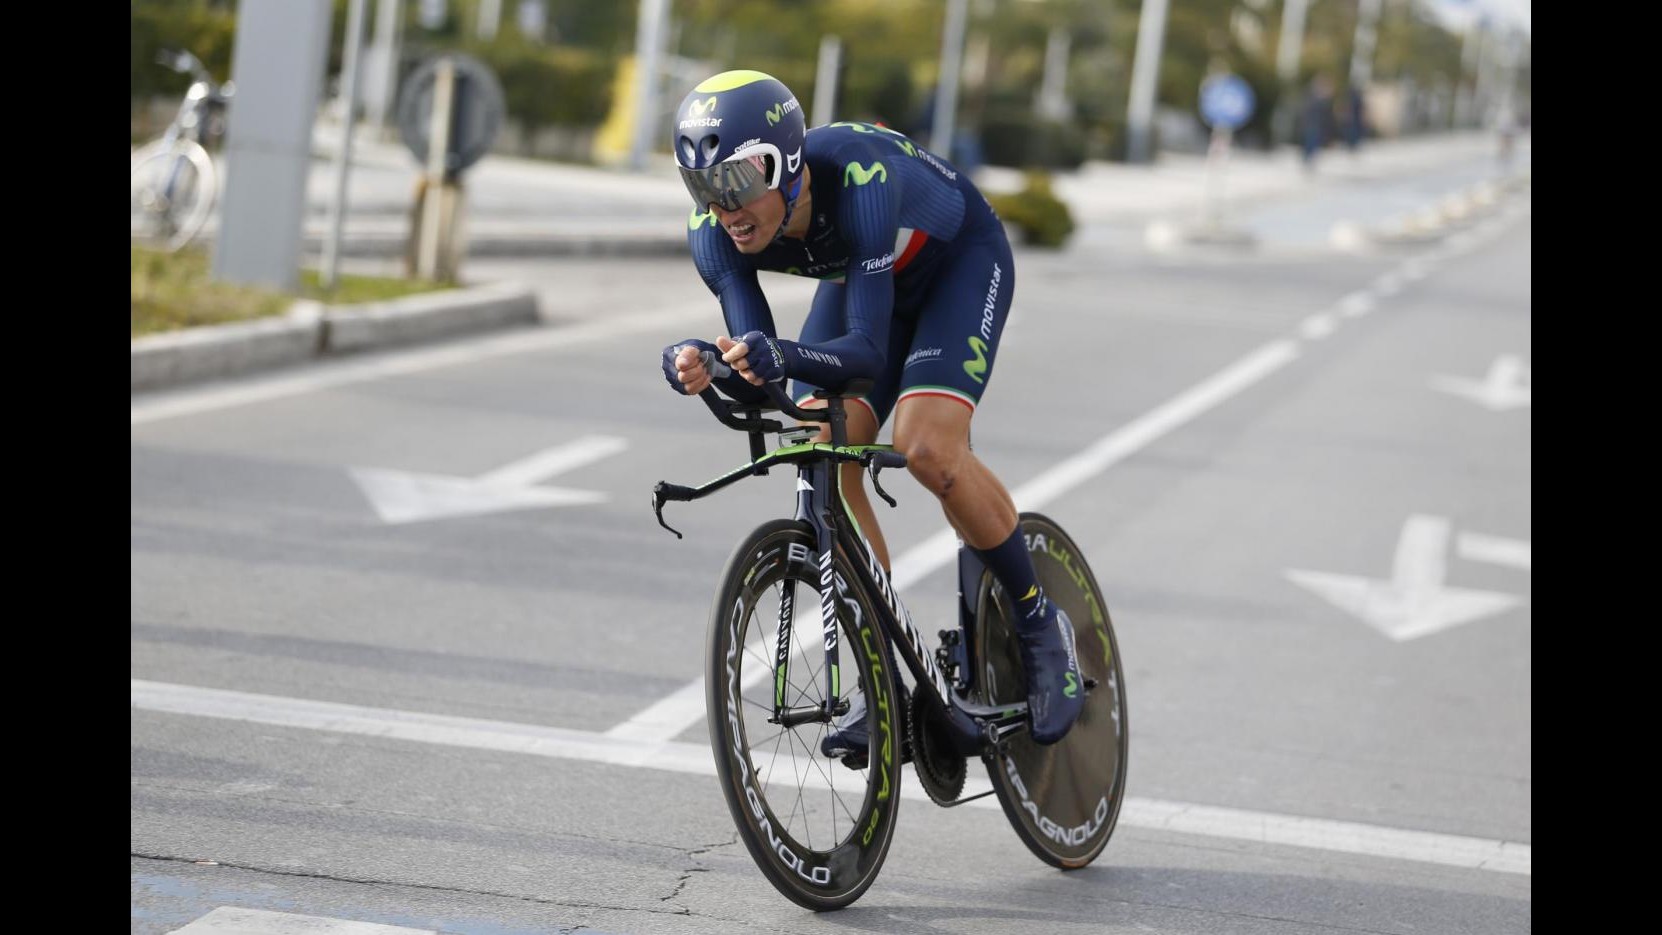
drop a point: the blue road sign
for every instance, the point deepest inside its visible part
(1225, 101)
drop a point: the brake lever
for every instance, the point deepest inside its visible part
(877, 461)
(874, 467)
(661, 495)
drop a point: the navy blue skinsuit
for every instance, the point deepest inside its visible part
(915, 272)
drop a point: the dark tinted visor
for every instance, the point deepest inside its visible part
(732, 185)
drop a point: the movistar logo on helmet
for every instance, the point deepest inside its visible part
(857, 174)
(698, 218)
(779, 110)
(696, 111)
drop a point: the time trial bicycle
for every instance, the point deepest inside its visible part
(780, 671)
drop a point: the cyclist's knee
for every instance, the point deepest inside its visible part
(934, 459)
(935, 440)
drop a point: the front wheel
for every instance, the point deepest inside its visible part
(818, 830)
(1064, 799)
(173, 191)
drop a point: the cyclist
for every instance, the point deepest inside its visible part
(915, 282)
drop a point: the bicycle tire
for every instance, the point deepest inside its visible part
(856, 822)
(171, 222)
(1063, 800)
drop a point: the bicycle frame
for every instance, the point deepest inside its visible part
(821, 505)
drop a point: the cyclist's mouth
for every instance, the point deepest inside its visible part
(742, 233)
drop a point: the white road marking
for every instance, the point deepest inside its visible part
(1414, 602)
(1316, 327)
(562, 743)
(408, 497)
(684, 707)
(1480, 548)
(1506, 386)
(1143, 431)
(235, 920)
(1356, 304)
(554, 461)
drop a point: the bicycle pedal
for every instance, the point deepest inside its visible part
(859, 759)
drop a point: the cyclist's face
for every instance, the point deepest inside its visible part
(752, 227)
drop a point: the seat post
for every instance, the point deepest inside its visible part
(839, 419)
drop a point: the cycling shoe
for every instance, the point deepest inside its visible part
(1055, 687)
(849, 739)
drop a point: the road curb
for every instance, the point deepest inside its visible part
(1431, 222)
(413, 319)
(311, 330)
(215, 351)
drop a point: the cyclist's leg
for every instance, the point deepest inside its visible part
(946, 370)
(825, 322)
(952, 360)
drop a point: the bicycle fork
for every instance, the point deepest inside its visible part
(811, 504)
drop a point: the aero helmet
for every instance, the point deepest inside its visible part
(737, 136)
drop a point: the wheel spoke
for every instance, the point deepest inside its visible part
(835, 799)
(801, 789)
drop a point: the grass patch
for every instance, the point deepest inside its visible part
(173, 290)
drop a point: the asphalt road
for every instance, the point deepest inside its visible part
(1303, 482)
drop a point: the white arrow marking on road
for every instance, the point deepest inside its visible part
(1414, 602)
(406, 497)
(1480, 548)
(1506, 386)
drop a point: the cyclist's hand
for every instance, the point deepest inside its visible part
(688, 365)
(767, 365)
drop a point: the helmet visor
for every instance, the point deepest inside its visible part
(731, 185)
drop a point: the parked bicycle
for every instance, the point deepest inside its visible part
(778, 672)
(174, 183)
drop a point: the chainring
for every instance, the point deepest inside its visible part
(940, 768)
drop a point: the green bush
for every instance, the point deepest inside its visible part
(1042, 218)
(209, 33)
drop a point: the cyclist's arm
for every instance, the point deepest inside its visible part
(733, 281)
(871, 218)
